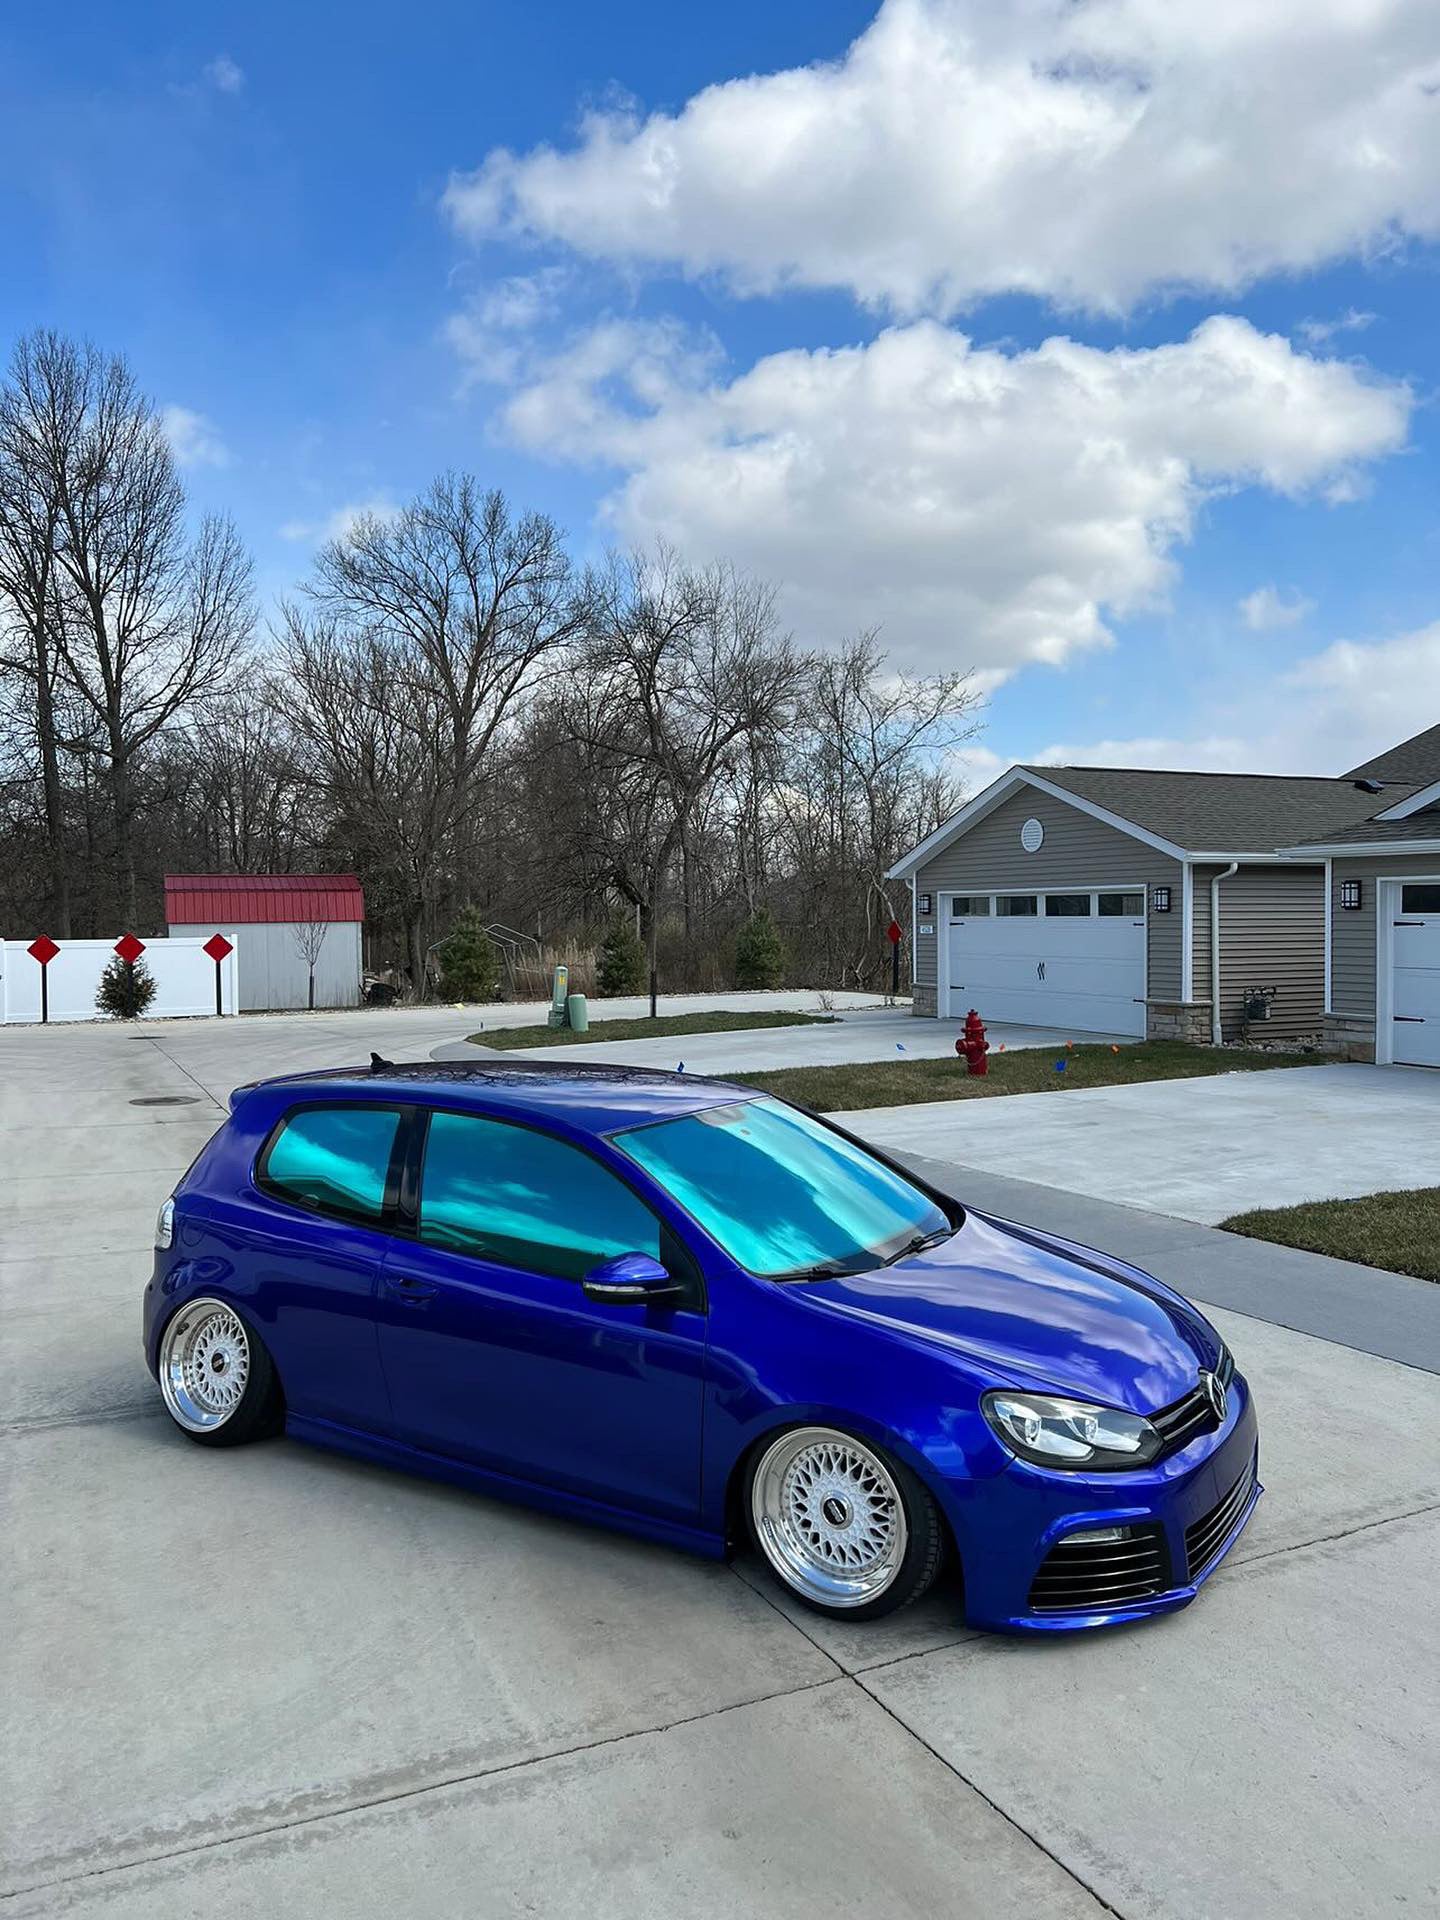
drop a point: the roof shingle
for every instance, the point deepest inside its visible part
(1223, 812)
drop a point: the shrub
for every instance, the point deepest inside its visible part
(622, 959)
(126, 989)
(469, 966)
(759, 953)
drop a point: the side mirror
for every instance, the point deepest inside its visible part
(629, 1280)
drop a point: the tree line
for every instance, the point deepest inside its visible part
(446, 704)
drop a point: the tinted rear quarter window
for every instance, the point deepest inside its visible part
(333, 1159)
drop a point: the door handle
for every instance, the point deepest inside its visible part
(410, 1288)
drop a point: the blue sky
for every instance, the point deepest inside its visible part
(764, 355)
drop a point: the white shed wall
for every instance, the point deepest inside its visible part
(273, 973)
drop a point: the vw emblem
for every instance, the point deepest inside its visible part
(1214, 1392)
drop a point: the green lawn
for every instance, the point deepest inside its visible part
(898, 1082)
(660, 1028)
(1398, 1231)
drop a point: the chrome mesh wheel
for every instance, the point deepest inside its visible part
(828, 1517)
(204, 1365)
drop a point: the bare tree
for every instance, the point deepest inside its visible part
(309, 938)
(680, 669)
(145, 625)
(428, 631)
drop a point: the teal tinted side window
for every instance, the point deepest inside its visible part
(334, 1158)
(526, 1199)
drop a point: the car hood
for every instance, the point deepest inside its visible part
(1032, 1311)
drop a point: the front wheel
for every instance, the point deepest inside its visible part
(216, 1379)
(845, 1527)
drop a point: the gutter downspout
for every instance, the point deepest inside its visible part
(1216, 1035)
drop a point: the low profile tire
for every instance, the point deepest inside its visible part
(844, 1526)
(217, 1381)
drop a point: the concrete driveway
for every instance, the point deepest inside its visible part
(860, 1033)
(1200, 1149)
(271, 1681)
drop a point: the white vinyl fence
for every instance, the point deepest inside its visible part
(183, 972)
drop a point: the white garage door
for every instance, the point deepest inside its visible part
(1050, 959)
(1416, 994)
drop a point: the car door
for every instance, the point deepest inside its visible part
(305, 1240)
(492, 1352)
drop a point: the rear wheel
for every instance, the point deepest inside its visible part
(216, 1379)
(844, 1526)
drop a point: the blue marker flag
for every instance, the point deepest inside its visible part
(1059, 1066)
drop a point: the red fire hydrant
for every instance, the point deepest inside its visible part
(973, 1044)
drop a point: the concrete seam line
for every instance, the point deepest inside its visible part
(1326, 1539)
(980, 1793)
(384, 1800)
(155, 1042)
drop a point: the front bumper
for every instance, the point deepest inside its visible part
(1193, 1506)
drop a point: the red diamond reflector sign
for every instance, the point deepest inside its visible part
(129, 948)
(44, 949)
(217, 946)
(892, 933)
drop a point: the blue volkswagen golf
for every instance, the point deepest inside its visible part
(675, 1306)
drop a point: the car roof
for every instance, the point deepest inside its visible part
(598, 1099)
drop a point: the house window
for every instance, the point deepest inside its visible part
(1067, 906)
(1160, 899)
(1418, 899)
(1115, 906)
(969, 906)
(1016, 906)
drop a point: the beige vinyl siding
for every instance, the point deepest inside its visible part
(1272, 934)
(1352, 930)
(1078, 851)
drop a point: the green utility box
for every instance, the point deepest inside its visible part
(577, 1013)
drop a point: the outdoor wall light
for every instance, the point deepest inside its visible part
(926, 903)
(1350, 894)
(1160, 899)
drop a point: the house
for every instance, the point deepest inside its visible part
(1384, 921)
(283, 924)
(1197, 906)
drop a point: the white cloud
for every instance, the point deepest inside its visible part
(194, 440)
(1267, 609)
(1331, 711)
(1090, 154)
(983, 508)
(1318, 333)
(336, 525)
(224, 75)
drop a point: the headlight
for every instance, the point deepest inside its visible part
(165, 1223)
(1070, 1433)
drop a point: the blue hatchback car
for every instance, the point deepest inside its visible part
(678, 1307)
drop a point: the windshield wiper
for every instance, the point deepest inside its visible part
(921, 1242)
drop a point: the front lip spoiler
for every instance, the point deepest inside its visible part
(1170, 1601)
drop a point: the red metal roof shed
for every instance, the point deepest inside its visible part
(254, 899)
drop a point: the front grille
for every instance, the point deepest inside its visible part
(1090, 1576)
(1204, 1537)
(1186, 1419)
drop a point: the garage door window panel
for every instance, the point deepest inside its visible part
(1017, 906)
(1424, 898)
(970, 906)
(1067, 906)
(1127, 906)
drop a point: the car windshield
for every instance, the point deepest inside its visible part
(784, 1196)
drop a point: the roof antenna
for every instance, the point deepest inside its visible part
(380, 1065)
